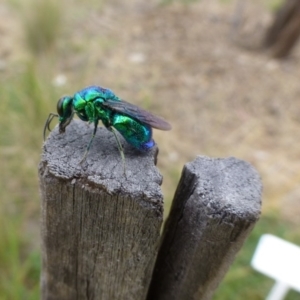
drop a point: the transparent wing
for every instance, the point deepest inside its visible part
(137, 113)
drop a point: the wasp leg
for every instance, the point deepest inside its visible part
(114, 131)
(90, 142)
(47, 124)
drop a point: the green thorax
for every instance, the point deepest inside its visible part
(87, 104)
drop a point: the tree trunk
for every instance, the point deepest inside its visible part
(285, 30)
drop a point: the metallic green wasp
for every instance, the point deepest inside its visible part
(95, 103)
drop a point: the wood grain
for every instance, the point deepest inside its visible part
(215, 207)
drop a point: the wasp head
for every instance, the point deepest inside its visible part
(65, 112)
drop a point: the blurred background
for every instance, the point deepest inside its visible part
(199, 64)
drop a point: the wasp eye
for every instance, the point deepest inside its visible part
(60, 106)
(64, 106)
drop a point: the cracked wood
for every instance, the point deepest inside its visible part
(215, 207)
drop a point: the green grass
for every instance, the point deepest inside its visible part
(274, 5)
(23, 105)
(42, 25)
(27, 96)
(19, 268)
(242, 282)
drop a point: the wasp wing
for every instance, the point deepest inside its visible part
(137, 113)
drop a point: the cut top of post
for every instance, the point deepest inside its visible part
(232, 185)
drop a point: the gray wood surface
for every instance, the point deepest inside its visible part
(100, 231)
(215, 207)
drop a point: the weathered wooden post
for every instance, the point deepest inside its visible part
(100, 231)
(215, 207)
